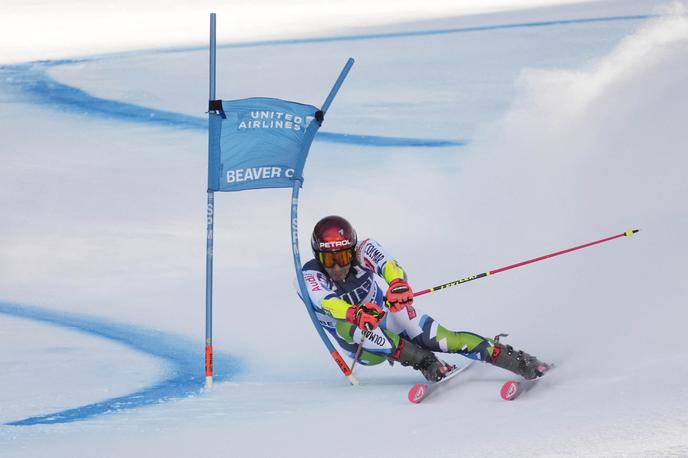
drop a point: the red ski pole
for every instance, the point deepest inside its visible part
(628, 233)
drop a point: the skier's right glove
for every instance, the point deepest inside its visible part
(365, 316)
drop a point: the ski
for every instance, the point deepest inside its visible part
(420, 391)
(512, 389)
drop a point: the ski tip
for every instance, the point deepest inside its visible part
(417, 392)
(510, 390)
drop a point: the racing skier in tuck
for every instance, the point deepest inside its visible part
(343, 282)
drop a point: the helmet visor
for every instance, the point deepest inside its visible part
(342, 258)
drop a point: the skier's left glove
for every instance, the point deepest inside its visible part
(365, 316)
(399, 295)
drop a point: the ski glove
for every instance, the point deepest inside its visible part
(366, 316)
(399, 295)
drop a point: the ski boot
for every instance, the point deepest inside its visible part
(410, 354)
(516, 361)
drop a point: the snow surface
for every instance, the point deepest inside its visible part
(516, 132)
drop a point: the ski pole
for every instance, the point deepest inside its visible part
(360, 344)
(628, 233)
(358, 351)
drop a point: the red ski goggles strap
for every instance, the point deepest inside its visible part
(342, 258)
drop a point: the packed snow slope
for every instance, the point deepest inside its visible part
(562, 125)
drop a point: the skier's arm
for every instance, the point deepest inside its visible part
(370, 255)
(322, 296)
(335, 307)
(365, 316)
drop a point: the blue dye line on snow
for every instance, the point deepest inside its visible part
(390, 35)
(421, 33)
(34, 84)
(184, 358)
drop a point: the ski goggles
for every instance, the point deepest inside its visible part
(342, 258)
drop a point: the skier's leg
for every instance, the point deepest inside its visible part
(436, 337)
(384, 345)
(378, 344)
(427, 333)
(424, 331)
(422, 359)
(517, 361)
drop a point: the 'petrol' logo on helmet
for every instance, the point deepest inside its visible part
(337, 244)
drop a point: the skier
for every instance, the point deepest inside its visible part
(343, 282)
